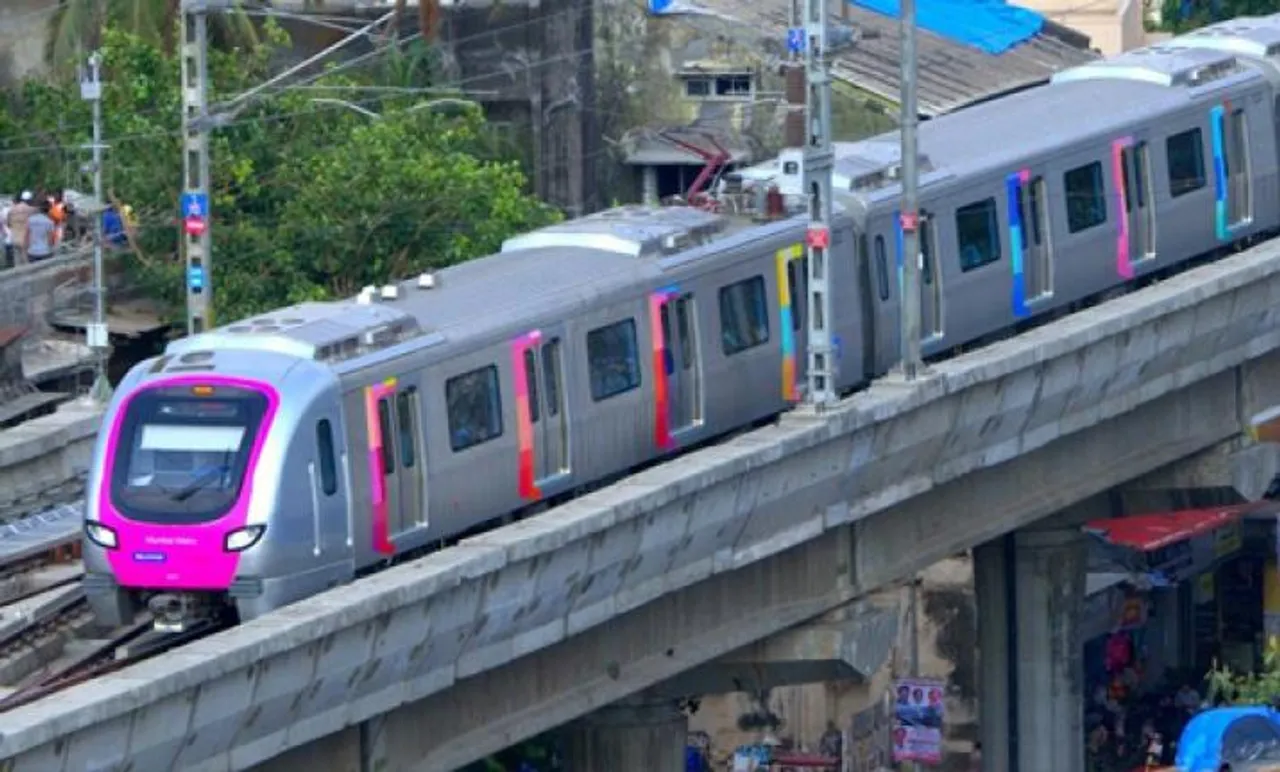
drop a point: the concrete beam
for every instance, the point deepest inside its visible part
(536, 693)
(992, 440)
(1237, 463)
(847, 644)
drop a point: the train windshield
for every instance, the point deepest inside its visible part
(183, 453)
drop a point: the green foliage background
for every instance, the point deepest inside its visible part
(310, 200)
(1237, 688)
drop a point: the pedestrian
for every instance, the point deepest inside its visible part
(16, 221)
(41, 235)
(5, 206)
(58, 213)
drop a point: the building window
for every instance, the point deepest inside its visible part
(744, 316)
(611, 356)
(733, 85)
(978, 234)
(730, 86)
(475, 408)
(1086, 197)
(697, 87)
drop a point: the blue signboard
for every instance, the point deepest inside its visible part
(795, 40)
(194, 205)
(659, 6)
(195, 279)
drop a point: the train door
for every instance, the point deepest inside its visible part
(798, 285)
(1139, 206)
(930, 280)
(412, 511)
(386, 492)
(681, 361)
(1037, 247)
(1236, 163)
(542, 406)
(548, 406)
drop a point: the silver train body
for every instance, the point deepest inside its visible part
(265, 461)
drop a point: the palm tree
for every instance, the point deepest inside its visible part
(75, 25)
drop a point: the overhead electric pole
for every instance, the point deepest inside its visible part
(909, 217)
(817, 168)
(194, 204)
(96, 330)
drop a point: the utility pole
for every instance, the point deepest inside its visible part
(913, 617)
(96, 331)
(909, 217)
(194, 205)
(817, 168)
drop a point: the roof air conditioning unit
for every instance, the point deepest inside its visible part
(426, 280)
(389, 292)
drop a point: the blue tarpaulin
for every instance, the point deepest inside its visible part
(993, 26)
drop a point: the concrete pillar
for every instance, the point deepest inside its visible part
(991, 588)
(639, 734)
(1049, 586)
(650, 185)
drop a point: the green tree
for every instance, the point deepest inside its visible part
(74, 26)
(1247, 688)
(310, 200)
(1178, 16)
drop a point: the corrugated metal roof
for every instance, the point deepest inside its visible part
(952, 74)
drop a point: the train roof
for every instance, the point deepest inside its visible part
(1099, 98)
(538, 275)
(545, 273)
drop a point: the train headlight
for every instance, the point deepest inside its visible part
(101, 535)
(242, 539)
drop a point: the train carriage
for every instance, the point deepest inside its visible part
(264, 461)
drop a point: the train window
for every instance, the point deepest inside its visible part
(685, 331)
(384, 428)
(475, 408)
(882, 269)
(531, 384)
(1086, 197)
(406, 402)
(744, 316)
(551, 375)
(664, 313)
(612, 358)
(978, 234)
(324, 449)
(1185, 154)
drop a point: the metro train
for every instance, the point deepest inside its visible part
(264, 461)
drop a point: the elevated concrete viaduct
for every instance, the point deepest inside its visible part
(438, 662)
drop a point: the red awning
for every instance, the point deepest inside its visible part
(1153, 531)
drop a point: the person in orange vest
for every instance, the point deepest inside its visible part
(58, 213)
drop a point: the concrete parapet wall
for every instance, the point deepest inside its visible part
(991, 441)
(47, 452)
(26, 292)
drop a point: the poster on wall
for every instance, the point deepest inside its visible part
(918, 713)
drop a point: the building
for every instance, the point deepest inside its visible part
(712, 69)
(1113, 26)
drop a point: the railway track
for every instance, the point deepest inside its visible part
(123, 647)
(48, 639)
(42, 606)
